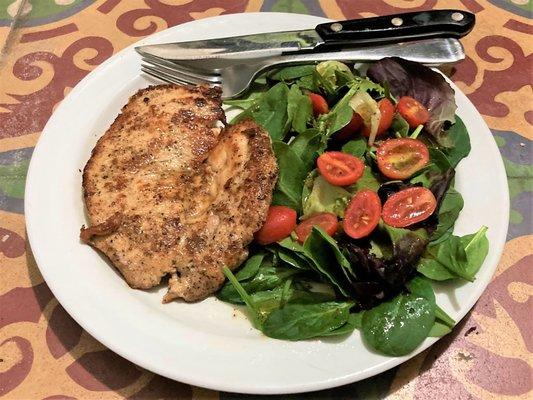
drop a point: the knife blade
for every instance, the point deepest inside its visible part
(324, 37)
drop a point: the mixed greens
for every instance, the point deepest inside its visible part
(318, 279)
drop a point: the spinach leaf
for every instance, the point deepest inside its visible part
(292, 72)
(307, 83)
(333, 246)
(443, 322)
(292, 258)
(285, 292)
(303, 114)
(449, 211)
(399, 326)
(335, 120)
(367, 181)
(291, 252)
(356, 147)
(266, 310)
(452, 255)
(442, 316)
(422, 288)
(251, 267)
(291, 244)
(250, 270)
(439, 330)
(354, 322)
(397, 234)
(461, 256)
(254, 315)
(267, 278)
(299, 109)
(307, 145)
(244, 102)
(293, 98)
(476, 248)
(269, 300)
(256, 90)
(461, 142)
(270, 111)
(325, 197)
(328, 260)
(432, 269)
(445, 236)
(356, 319)
(300, 296)
(464, 255)
(292, 172)
(304, 321)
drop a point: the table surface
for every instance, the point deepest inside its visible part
(50, 45)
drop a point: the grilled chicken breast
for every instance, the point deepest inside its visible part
(170, 193)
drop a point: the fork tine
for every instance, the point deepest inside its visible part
(155, 74)
(179, 74)
(169, 73)
(164, 77)
(182, 70)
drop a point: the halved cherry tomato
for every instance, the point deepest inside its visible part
(387, 114)
(412, 111)
(279, 224)
(349, 130)
(326, 221)
(408, 206)
(320, 106)
(401, 158)
(362, 214)
(339, 168)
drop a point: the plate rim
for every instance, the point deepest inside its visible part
(237, 387)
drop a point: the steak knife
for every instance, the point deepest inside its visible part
(324, 37)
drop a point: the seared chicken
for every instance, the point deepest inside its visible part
(170, 193)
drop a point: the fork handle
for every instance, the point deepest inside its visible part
(396, 28)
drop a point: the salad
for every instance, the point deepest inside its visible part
(363, 213)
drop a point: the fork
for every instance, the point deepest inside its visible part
(236, 75)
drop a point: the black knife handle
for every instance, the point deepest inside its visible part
(397, 27)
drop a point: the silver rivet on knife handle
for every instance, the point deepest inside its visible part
(336, 27)
(396, 21)
(457, 16)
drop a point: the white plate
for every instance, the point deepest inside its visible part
(209, 344)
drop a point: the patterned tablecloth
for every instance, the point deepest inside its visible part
(48, 46)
